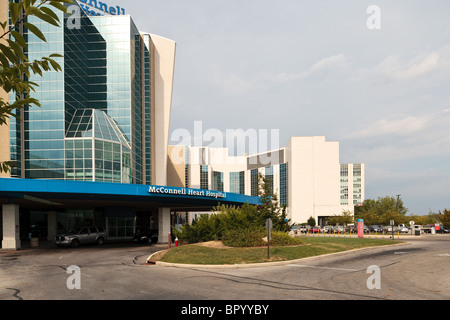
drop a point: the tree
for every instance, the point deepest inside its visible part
(345, 218)
(430, 218)
(382, 210)
(15, 67)
(444, 218)
(270, 207)
(311, 222)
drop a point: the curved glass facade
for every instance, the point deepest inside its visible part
(95, 120)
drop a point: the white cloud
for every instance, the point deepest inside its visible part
(410, 137)
(396, 68)
(323, 65)
(406, 126)
(236, 83)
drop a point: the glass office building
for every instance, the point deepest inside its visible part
(99, 115)
(104, 118)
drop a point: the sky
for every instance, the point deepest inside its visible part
(376, 81)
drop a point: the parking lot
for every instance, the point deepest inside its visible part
(377, 231)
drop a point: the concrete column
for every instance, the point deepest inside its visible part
(163, 225)
(52, 223)
(11, 227)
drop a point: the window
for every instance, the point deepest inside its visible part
(237, 182)
(204, 177)
(218, 181)
(269, 177)
(284, 184)
(254, 182)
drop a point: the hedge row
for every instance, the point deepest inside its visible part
(254, 238)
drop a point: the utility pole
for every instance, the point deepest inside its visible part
(398, 212)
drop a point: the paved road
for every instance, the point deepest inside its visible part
(418, 270)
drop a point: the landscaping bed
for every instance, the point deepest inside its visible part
(216, 253)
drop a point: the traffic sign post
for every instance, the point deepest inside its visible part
(392, 227)
(269, 225)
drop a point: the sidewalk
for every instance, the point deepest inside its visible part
(26, 246)
(50, 245)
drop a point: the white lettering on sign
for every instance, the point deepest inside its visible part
(187, 191)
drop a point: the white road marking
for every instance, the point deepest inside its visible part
(325, 268)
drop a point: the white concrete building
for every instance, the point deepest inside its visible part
(306, 175)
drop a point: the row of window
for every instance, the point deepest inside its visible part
(237, 181)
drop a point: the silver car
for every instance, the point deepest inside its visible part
(83, 235)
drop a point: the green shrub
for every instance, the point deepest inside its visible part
(279, 239)
(243, 238)
(214, 226)
(254, 238)
(206, 228)
(247, 217)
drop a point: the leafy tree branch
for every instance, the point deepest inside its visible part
(15, 67)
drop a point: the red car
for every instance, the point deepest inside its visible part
(316, 229)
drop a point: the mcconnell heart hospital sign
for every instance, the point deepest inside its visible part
(89, 6)
(187, 192)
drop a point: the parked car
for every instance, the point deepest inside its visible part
(375, 228)
(303, 229)
(428, 227)
(337, 230)
(295, 229)
(316, 229)
(341, 229)
(81, 235)
(403, 229)
(389, 229)
(146, 236)
(327, 229)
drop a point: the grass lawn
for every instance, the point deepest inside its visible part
(312, 246)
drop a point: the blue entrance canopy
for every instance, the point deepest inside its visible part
(53, 190)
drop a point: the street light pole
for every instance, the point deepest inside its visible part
(398, 212)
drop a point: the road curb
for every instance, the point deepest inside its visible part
(262, 264)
